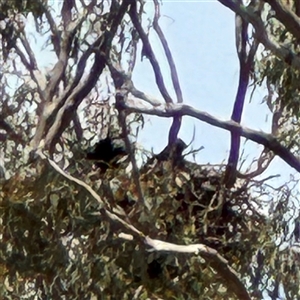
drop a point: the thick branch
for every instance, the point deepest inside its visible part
(65, 112)
(287, 17)
(246, 64)
(268, 140)
(58, 73)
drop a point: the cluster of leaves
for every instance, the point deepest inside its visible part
(279, 74)
(25, 7)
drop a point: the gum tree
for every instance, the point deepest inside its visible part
(82, 218)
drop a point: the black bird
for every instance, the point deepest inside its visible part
(173, 151)
(106, 154)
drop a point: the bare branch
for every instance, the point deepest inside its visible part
(175, 127)
(23, 38)
(268, 140)
(246, 61)
(128, 85)
(168, 53)
(263, 163)
(58, 73)
(60, 66)
(56, 35)
(67, 108)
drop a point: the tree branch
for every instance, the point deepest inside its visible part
(268, 140)
(246, 63)
(48, 105)
(168, 53)
(219, 263)
(254, 18)
(175, 127)
(63, 113)
(287, 17)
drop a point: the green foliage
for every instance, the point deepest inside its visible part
(50, 229)
(56, 242)
(37, 8)
(279, 74)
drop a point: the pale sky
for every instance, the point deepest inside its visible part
(201, 36)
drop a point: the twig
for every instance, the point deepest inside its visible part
(263, 163)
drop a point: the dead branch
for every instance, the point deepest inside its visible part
(263, 163)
